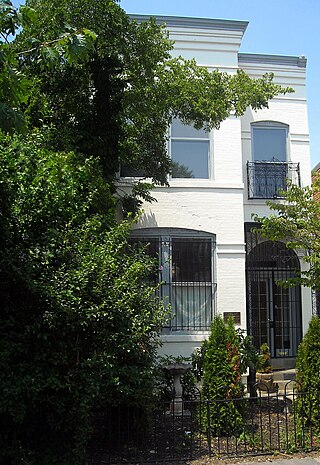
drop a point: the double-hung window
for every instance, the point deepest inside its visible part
(189, 151)
(185, 274)
(270, 166)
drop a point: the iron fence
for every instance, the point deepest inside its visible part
(168, 432)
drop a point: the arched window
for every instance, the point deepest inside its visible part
(269, 141)
(270, 166)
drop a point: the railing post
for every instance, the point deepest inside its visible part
(208, 423)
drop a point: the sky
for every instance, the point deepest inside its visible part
(277, 27)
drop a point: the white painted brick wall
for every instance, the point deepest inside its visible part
(220, 205)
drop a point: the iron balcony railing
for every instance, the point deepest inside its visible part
(268, 180)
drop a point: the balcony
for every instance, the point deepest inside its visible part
(267, 180)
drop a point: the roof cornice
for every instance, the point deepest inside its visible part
(257, 58)
(195, 23)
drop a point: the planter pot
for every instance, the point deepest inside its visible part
(265, 382)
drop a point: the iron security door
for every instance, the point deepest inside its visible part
(273, 311)
(274, 314)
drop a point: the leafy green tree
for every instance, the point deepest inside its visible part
(15, 87)
(78, 324)
(118, 104)
(308, 360)
(297, 222)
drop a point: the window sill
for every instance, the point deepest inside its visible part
(185, 336)
(204, 183)
(186, 183)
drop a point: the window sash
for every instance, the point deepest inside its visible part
(189, 151)
(269, 143)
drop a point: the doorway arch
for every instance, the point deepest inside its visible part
(273, 311)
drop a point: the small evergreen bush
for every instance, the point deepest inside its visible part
(264, 364)
(308, 376)
(222, 410)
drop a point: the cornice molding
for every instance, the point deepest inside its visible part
(258, 58)
(194, 23)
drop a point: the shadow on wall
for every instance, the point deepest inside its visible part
(147, 220)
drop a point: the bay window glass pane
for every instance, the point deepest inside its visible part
(190, 159)
(191, 306)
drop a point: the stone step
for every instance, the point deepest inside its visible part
(285, 386)
(284, 375)
(285, 380)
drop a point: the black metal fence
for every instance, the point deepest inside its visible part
(177, 430)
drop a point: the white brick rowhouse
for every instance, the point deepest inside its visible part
(201, 225)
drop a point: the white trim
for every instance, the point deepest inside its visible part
(192, 23)
(282, 60)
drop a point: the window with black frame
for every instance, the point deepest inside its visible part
(191, 282)
(185, 266)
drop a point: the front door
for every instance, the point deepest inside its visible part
(274, 314)
(273, 311)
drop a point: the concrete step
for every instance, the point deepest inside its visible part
(284, 375)
(284, 381)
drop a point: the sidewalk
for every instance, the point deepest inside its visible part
(312, 458)
(290, 461)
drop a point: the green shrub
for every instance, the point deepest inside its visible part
(222, 380)
(308, 376)
(78, 322)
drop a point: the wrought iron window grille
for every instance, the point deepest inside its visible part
(185, 275)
